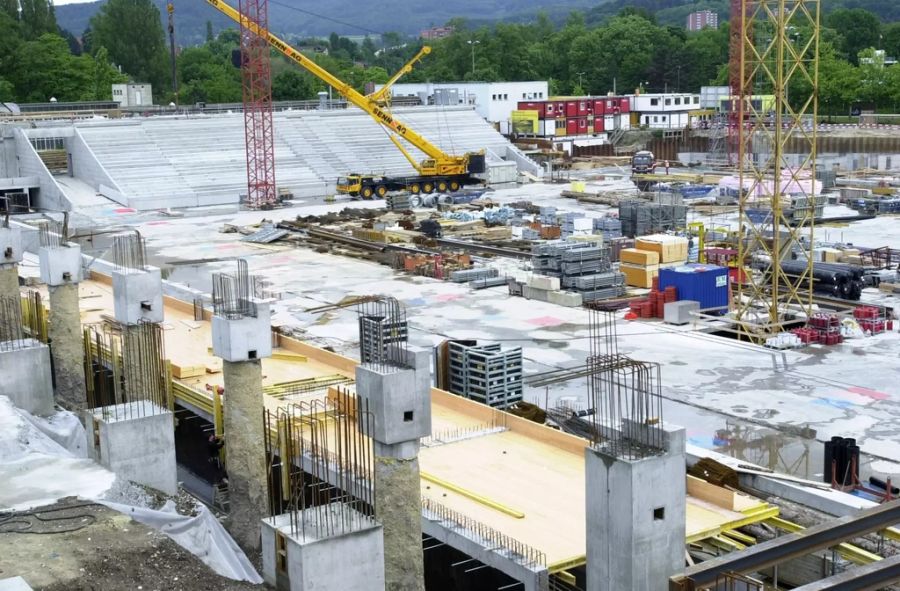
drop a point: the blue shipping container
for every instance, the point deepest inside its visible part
(707, 284)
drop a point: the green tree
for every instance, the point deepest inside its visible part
(209, 32)
(37, 18)
(44, 68)
(890, 39)
(857, 29)
(207, 77)
(132, 33)
(293, 85)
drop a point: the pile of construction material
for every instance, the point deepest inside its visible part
(821, 328)
(437, 266)
(582, 267)
(830, 279)
(640, 217)
(641, 264)
(485, 373)
(546, 289)
(479, 278)
(872, 320)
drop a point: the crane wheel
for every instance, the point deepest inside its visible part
(415, 188)
(454, 186)
(442, 186)
(428, 188)
(367, 192)
(381, 190)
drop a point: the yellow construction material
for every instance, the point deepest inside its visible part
(635, 256)
(671, 249)
(564, 565)
(639, 276)
(288, 356)
(188, 371)
(472, 495)
(849, 551)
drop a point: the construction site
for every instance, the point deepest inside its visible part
(383, 347)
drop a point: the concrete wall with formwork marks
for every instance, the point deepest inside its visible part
(25, 371)
(635, 515)
(136, 440)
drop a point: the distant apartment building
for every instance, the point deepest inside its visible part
(702, 19)
(436, 32)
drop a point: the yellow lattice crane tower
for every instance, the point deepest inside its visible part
(779, 195)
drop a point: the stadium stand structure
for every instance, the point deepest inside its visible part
(174, 162)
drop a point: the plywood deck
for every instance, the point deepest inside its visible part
(475, 454)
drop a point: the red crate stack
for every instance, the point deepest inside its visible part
(870, 319)
(828, 327)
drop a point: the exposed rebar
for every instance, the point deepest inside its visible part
(321, 464)
(126, 365)
(129, 251)
(625, 395)
(231, 293)
(383, 334)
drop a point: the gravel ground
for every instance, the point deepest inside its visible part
(76, 546)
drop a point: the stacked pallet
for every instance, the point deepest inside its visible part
(640, 267)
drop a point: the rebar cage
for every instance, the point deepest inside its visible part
(126, 364)
(383, 334)
(231, 293)
(625, 395)
(321, 464)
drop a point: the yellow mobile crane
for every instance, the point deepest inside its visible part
(441, 171)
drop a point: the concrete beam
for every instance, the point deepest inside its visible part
(483, 551)
(862, 578)
(783, 548)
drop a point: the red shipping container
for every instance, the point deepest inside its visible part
(625, 105)
(571, 126)
(530, 106)
(598, 125)
(599, 107)
(571, 108)
(550, 110)
(583, 108)
(582, 125)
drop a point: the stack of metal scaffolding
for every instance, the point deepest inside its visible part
(639, 218)
(486, 373)
(584, 267)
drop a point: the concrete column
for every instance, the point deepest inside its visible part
(9, 288)
(9, 280)
(398, 506)
(245, 451)
(635, 511)
(400, 401)
(67, 346)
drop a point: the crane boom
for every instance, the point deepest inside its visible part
(438, 163)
